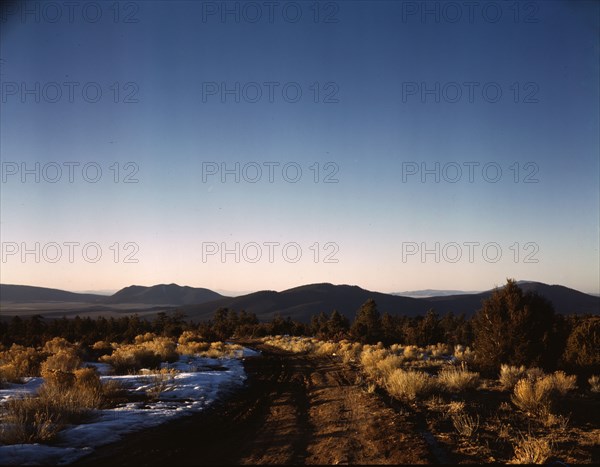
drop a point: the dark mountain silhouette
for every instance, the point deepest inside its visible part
(162, 294)
(427, 293)
(299, 302)
(302, 302)
(27, 293)
(565, 300)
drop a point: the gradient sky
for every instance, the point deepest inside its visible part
(160, 55)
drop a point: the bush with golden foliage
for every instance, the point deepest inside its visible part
(458, 378)
(64, 398)
(149, 351)
(536, 395)
(58, 344)
(65, 361)
(409, 385)
(464, 424)
(531, 450)
(19, 362)
(594, 382)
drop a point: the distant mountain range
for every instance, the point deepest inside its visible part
(427, 293)
(299, 302)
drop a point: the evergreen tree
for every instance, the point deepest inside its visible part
(366, 327)
(337, 325)
(515, 328)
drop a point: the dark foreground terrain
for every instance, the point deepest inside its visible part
(295, 409)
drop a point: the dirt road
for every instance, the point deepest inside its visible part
(295, 409)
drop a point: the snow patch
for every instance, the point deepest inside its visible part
(199, 383)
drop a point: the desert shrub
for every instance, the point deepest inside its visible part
(594, 382)
(438, 350)
(149, 352)
(291, 344)
(563, 383)
(534, 396)
(101, 348)
(146, 337)
(409, 385)
(132, 358)
(350, 351)
(192, 347)
(387, 365)
(463, 354)
(164, 347)
(27, 421)
(327, 348)
(160, 381)
(530, 450)
(57, 344)
(369, 359)
(510, 375)
(64, 398)
(19, 362)
(457, 379)
(65, 360)
(464, 424)
(411, 352)
(189, 336)
(582, 350)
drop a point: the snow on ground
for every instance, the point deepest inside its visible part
(199, 382)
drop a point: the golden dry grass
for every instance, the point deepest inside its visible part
(531, 450)
(64, 398)
(458, 379)
(409, 385)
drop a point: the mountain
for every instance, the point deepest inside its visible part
(171, 294)
(26, 293)
(565, 300)
(302, 302)
(427, 293)
(162, 294)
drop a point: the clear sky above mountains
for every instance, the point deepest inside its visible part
(390, 144)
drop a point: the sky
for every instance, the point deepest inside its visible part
(243, 146)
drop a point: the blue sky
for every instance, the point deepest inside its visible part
(361, 119)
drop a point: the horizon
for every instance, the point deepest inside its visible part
(344, 142)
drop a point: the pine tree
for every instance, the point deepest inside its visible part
(515, 328)
(366, 327)
(337, 325)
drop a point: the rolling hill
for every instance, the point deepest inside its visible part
(30, 294)
(171, 294)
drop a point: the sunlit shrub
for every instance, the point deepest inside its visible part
(18, 362)
(409, 385)
(457, 379)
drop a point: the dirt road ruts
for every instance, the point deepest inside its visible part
(294, 409)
